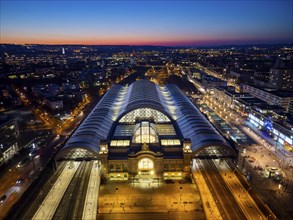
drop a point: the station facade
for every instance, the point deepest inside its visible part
(145, 131)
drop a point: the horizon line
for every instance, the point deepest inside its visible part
(150, 45)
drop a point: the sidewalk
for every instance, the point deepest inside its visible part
(271, 191)
(266, 159)
(272, 145)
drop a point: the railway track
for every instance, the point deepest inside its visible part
(225, 200)
(80, 196)
(71, 205)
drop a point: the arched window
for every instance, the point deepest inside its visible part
(145, 164)
(144, 114)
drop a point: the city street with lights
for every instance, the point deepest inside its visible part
(27, 171)
(242, 196)
(258, 159)
(228, 191)
(49, 120)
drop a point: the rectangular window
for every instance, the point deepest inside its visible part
(120, 143)
(170, 142)
(289, 140)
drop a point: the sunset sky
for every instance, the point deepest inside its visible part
(174, 23)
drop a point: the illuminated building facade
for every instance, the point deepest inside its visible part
(8, 139)
(144, 130)
(281, 133)
(280, 98)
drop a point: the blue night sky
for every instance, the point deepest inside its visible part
(147, 22)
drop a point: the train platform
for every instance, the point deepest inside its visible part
(91, 201)
(52, 200)
(208, 202)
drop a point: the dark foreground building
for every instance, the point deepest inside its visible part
(145, 131)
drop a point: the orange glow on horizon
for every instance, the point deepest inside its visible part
(114, 42)
(124, 39)
(166, 23)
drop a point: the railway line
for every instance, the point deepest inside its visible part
(53, 198)
(72, 202)
(227, 204)
(233, 199)
(68, 196)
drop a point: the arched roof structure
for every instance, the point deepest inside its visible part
(193, 124)
(120, 100)
(98, 123)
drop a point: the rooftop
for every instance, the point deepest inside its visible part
(153, 105)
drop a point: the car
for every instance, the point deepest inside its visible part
(23, 162)
(2, 198)
(32, 153)
(19, 181)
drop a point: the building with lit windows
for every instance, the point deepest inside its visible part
(54, 103)
(144, 130)
(280, 131)
(8, 139)
(281, 75)
(272, 97)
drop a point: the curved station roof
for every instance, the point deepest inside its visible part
(168, 103)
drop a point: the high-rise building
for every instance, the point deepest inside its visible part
(281, 75)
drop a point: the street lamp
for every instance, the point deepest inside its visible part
(278, 192)
(180, 193)
(243, 162)
(116, 190)
(1, 151)
(31, 155)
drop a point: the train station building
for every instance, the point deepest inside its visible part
(145, 131)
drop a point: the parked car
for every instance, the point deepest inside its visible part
(23, 162)
(2, 198)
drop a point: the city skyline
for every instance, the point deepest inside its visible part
(166, 23)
